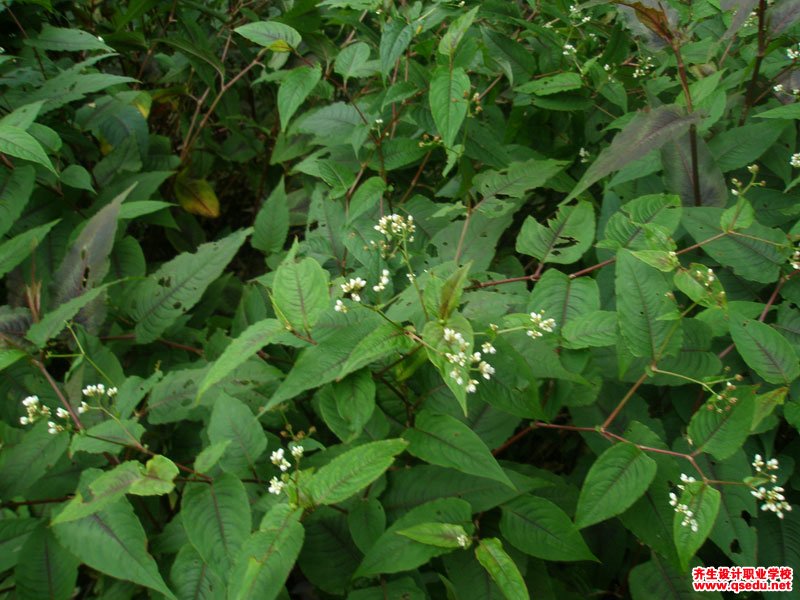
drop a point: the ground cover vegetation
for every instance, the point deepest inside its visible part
(397, 299)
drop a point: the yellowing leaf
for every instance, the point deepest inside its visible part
(196, 196)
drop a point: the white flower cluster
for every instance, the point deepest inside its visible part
(35, 410)
(575, 14)
(795, 160)
(584, 154)
(396, 230)
(795, 260)
(463, 541)
(98, 391)
(683, 509)
(461, 360)
(781, 89)
(353, 288)
(569, 50)
(724, 400)
(540, 324)
(277, 459)
(644, 67)
(384, 281)
(793, 53)
(706, 279)
(773, 498)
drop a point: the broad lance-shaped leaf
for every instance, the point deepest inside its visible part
(23, 464)
(193, 579)
(351, 472)
(272, 222)
(394, 40)
(45, 569)
(630, 225)
(501, 568)
(443, 535)
(764, 350)
(54, 321)
(196, 196)
(617, 479)
(231, 419)
(178, 285)
(565, 237)
(541, 529)
(19, 143)
(300, 292)
(86, 263)
(216, 518)
(268, 555)
(445, 441)
(18, 248)
(294, 89)
(154, 479)
(679, 173)
(394, 553)
(271, 35)
(644, 310)
(564, 298)
(721, 428)
(518, 178)
(16, 188)
(756, 253)
(240, 350)
(703, 502)
(113, 542)
(647, 131)
(448, 100)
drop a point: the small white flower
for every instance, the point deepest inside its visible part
(795, 160)
(83, 408)
(297, 452)
(463, 541)
(112, 391)
(30, 401)
(52, 428)
(778, 89)
(384, 281)
(486, 370)
(472, 386)
(276, 486)
(61, 413)
(488, 348)
(24, 421)
(793, 53)
(277, 459)
(568, 50)
(340, 307)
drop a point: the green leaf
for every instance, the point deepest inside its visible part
(394, 40)
(271, 35)
(393, 553)
(300, 292)
(113, 542)
(455, 33)
(352, 61)
(272, 222)
(701, 285)
(250, 341)
(196, 196)
(55, 321)
(647, 131)
(24, 464)
(14, 531)
(564, 298)
(436, 347)
(518, 178)
(18, 248)
(448, 101)
(75, 176)
(555, 84)
(268, 555)
(739, 216)
(294, 89)
(67, 40)
(193, 579)
(565, 237)
(630, 226)
(216, 517)
(232, 420)
(15, 190)
(501, 568)
(756, 253)
(382, 340)
(445, 441)
(347, 406)
(178, 285)
(19, 143)
(657, 578)
(541, 529)
(740, 146)
(764, 350)
(352, 471)
(616, 480)
(9, 357)
(127, 478)
(118, 433)
(642, 306)
(787, 111)
(45, 569)
(703, 501)
(594, 329)
(443, 535)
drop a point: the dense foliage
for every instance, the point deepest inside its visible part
(419, 299)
